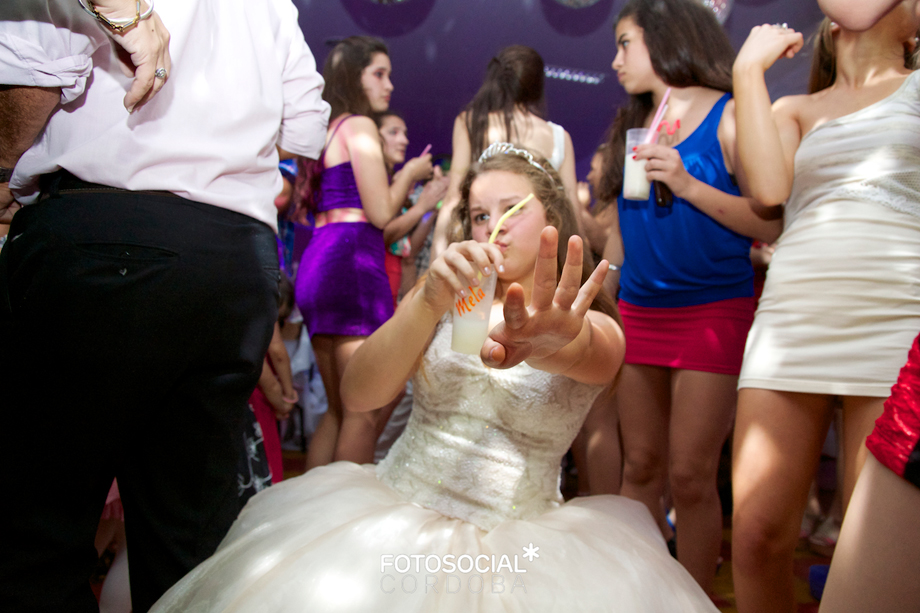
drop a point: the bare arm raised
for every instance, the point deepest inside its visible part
(401, 225)
(767, 136)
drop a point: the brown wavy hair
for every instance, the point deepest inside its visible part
(688, 48)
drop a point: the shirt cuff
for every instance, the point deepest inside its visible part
(27, 64)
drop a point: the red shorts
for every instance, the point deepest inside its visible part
(707, 337)
(895, 441)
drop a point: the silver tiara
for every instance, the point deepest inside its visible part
(509, 149)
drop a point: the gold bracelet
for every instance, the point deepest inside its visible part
(119, 26)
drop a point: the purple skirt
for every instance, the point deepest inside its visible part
(342, 287)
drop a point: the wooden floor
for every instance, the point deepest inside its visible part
(294, 465)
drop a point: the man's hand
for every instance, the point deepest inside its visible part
(144, 49)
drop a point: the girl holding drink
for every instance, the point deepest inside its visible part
(686, 284)
(472, 484)
(841, 304)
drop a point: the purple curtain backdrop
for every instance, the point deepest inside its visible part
(440, 48)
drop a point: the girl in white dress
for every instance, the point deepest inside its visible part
(465, 514)
(841, 304)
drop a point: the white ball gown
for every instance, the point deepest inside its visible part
(463, 515)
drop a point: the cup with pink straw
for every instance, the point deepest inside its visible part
(636, 185)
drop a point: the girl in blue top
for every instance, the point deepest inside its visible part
(686, 279)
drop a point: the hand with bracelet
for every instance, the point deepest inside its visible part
(144, 44)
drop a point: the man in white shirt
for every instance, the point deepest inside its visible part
(139, 279)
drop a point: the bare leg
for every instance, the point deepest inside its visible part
(323, 442)
(644, 400)
(358, 434)
(702, 409)
(604, 454)
(777, 445)
(859, 415)
(878, 554)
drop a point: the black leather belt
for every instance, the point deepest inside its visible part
(63, 181)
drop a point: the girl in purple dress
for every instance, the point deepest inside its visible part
(342, 288)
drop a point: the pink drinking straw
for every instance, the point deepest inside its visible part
(427, 149)
(662, 107)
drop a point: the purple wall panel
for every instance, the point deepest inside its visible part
(440, 48)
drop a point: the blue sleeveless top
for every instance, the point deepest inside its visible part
(678, 256)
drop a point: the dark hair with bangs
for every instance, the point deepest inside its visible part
(557, 208)
(687, 48)
(514, 78)
(342, 72)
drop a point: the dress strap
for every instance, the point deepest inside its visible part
(322, 157)
(710, 125)
(558, 145)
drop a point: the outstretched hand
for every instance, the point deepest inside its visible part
(556, 314)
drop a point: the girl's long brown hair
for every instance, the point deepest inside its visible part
(687, 47)
(514, 78)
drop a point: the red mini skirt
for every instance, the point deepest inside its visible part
(706, 337)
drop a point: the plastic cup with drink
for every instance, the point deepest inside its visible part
(471, 314)
(636, 185)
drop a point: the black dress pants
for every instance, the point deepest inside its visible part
(132, 331)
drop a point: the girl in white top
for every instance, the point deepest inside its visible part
(509, 106)
(841, 303)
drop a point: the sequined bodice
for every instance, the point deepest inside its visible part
(485, 445)
(338, 189)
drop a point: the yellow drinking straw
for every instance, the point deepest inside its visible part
(504, 217)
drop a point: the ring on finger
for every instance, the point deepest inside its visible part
(782, 26)
(160, 73)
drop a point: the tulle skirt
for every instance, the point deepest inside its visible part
(337, 539)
